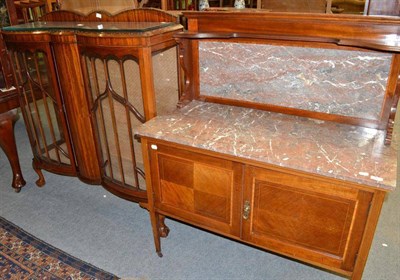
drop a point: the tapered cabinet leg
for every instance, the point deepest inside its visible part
(155, 218)
(7, 143)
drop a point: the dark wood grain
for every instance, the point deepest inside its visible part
(137, 15)
(67, 58)
(7, 143)
(319, 25)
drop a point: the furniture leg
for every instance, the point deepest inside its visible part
(162, 227)
(41, 181)
(155, 218)
(7, 143)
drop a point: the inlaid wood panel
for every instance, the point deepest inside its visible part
(196, 187)
(200, 188)
(303, 218)
(313, 218)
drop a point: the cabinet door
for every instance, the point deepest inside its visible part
(42, 106)
(122, 95)
(197, 188)
(304, 217)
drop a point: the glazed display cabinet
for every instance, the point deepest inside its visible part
(86, 82)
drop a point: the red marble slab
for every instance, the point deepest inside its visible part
(334, 81)
(345, 152)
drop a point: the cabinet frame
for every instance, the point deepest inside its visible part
(366, 203)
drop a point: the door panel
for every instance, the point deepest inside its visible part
(303, 221)
(200, 189)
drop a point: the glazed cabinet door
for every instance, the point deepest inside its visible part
(42, 107)
(304, 217)
(197, 188)
(122, 95)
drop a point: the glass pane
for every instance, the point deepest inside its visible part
(41, 108)
(166, 80)
(118, 105)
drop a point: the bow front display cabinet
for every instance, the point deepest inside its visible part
(85, 82)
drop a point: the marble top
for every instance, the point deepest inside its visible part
(345, 152)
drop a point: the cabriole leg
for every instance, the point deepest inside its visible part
(41, 181)
(7, 143)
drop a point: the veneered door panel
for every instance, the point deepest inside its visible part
(303, 221)
(198, 188)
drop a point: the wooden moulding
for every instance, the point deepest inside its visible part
(262, 22)
(135, 15)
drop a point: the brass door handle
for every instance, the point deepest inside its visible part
(246, 210)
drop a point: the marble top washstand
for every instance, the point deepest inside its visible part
(340, 151)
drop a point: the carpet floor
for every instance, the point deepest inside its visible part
(23, 256)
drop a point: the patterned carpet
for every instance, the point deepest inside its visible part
(23, 256)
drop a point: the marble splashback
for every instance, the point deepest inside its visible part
(342, 82)
(345, 152)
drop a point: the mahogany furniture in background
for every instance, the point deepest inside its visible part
(283, 138)
(382, 7)
(31, 10)
(7, 140)
(8, 115)
(85, 82)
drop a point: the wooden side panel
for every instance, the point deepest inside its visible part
(306, 218)
(198, 189)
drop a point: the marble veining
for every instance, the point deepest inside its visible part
(343, 82)
(330, 149)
